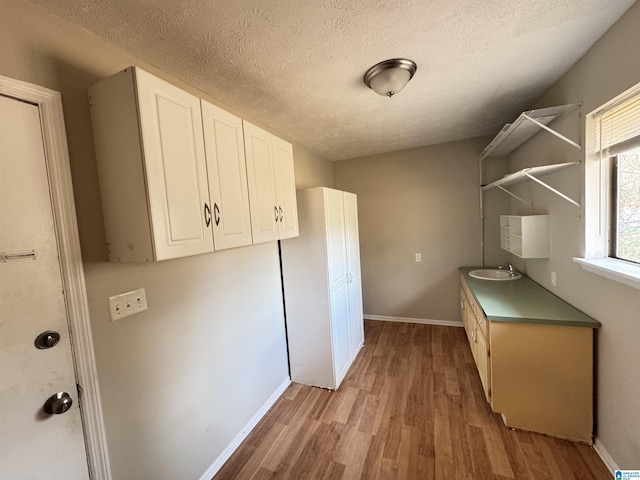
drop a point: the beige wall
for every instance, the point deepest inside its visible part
(312, 170)
(179, 381)
(608, 69)
(423, 200)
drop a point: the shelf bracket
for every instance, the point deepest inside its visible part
(553, 132)
(548, 187)
(514, 195)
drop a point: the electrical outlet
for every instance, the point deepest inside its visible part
(128, 303)
(418, 257)
(553, 279)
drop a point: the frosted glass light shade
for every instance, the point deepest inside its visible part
(391, 76)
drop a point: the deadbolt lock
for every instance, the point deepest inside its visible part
(47, 339)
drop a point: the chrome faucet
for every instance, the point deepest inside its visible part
(509, 267)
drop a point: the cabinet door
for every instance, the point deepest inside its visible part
(482, 362)
(285, 189)
(227, 173)
(466, 314)
(352, 241)
(171, 130)
(261, 182)
(338, 281)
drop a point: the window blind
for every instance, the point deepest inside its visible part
(618, 128)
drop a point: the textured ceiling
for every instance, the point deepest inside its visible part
(296, 66)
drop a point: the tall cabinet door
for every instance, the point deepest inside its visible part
(338, 281)
(227, 173)
(171, 130)
(353, 271)
(285, 189)
(262, 185)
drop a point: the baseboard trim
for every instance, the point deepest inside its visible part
(235, 443)
(424, 321)
(605, 456)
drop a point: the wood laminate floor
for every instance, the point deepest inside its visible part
(411, 407)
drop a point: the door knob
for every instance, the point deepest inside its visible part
(47, 339)
(57, 403)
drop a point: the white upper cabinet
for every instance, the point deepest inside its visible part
(271, 181)
(262, 184)
(285, 188)
(148, 133)
(227, 173)
(179, 176)
(525, 236)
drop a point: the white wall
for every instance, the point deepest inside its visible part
(608, 69)
(180, 380)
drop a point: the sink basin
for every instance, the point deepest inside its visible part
(494, 274)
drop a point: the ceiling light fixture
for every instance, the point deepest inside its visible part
(391, 76)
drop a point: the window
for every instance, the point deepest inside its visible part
(612, 190)
(625, 214)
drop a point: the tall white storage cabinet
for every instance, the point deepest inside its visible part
(323, 291)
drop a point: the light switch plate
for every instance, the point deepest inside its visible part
(418, 257)
(127, 304)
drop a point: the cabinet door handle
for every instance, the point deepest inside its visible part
(207, 214)
(275, 209)
(216, 214)
(281, 215)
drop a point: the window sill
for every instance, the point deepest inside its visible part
(616, 270)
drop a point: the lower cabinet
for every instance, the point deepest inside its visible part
(476, 327)
(322, 288)
(537, 374)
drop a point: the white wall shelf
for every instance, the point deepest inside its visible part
(512, 136)
(526, 126)
(525, 236)
(532, 173)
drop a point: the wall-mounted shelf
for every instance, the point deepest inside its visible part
(510, 138)
(526, 126)
(525, 236)
(532, 173)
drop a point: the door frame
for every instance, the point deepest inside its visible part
(49, 103)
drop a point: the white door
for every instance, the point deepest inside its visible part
(227, 172)
(353, 269)
(285, 189)
(262, 185)
(33, 444)
(171, 126)
(338, 283)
